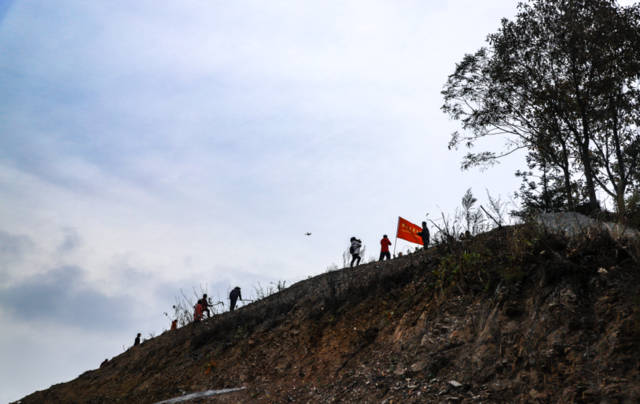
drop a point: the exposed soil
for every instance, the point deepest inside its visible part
(515, 315)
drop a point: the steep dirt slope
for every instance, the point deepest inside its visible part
(511, 316)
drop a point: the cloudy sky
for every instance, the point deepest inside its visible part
(152, 146)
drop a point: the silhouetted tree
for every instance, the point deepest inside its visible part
(471, 215)
(560, 80)
(544, 188)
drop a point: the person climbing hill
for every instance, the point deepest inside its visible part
(354, 249)
(205, 305)
(197, 312)
(233, 297)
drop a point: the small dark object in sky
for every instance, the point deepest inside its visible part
(307, 234)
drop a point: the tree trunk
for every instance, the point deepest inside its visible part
(620, 205)
(585, 155)
(567, 177)
(621, 187)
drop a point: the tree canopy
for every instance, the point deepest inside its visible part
(561, 81)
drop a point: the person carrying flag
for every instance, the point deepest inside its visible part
(424, 234)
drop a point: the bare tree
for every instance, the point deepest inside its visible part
(472, 216)
(272, 288)
(497, 210)
(448, 230)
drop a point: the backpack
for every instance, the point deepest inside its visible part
(352, 249)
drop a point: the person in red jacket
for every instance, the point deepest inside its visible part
(384, 248)
(197, 314)
(205, 305)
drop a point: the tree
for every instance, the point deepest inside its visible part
(544, 188)
(561, 81)
(616, 72)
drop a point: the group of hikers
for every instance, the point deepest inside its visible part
(201, 307)
(203, 304)
(385, 243)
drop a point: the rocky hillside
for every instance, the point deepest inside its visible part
(515, 315)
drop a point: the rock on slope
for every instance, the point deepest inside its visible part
(515, 315)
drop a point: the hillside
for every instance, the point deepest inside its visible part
(514, 315)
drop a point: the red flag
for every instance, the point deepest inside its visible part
(408, 231)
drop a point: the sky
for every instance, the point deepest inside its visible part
(150, 147)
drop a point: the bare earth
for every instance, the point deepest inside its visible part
(515, 315)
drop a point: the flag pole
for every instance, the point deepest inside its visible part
(396, 240)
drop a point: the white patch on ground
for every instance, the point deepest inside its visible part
(201, 394)
(573, 224)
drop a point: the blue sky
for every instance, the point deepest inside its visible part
(153, 146)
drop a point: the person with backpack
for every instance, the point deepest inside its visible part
(384, 248)
(233, 297)
(354, 249)
(424, 234)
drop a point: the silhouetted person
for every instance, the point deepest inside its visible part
(233, 297)
(174, 325)
(205, 305)
(137, 340)
(424, 234)
(384, 248)
(354, 249)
